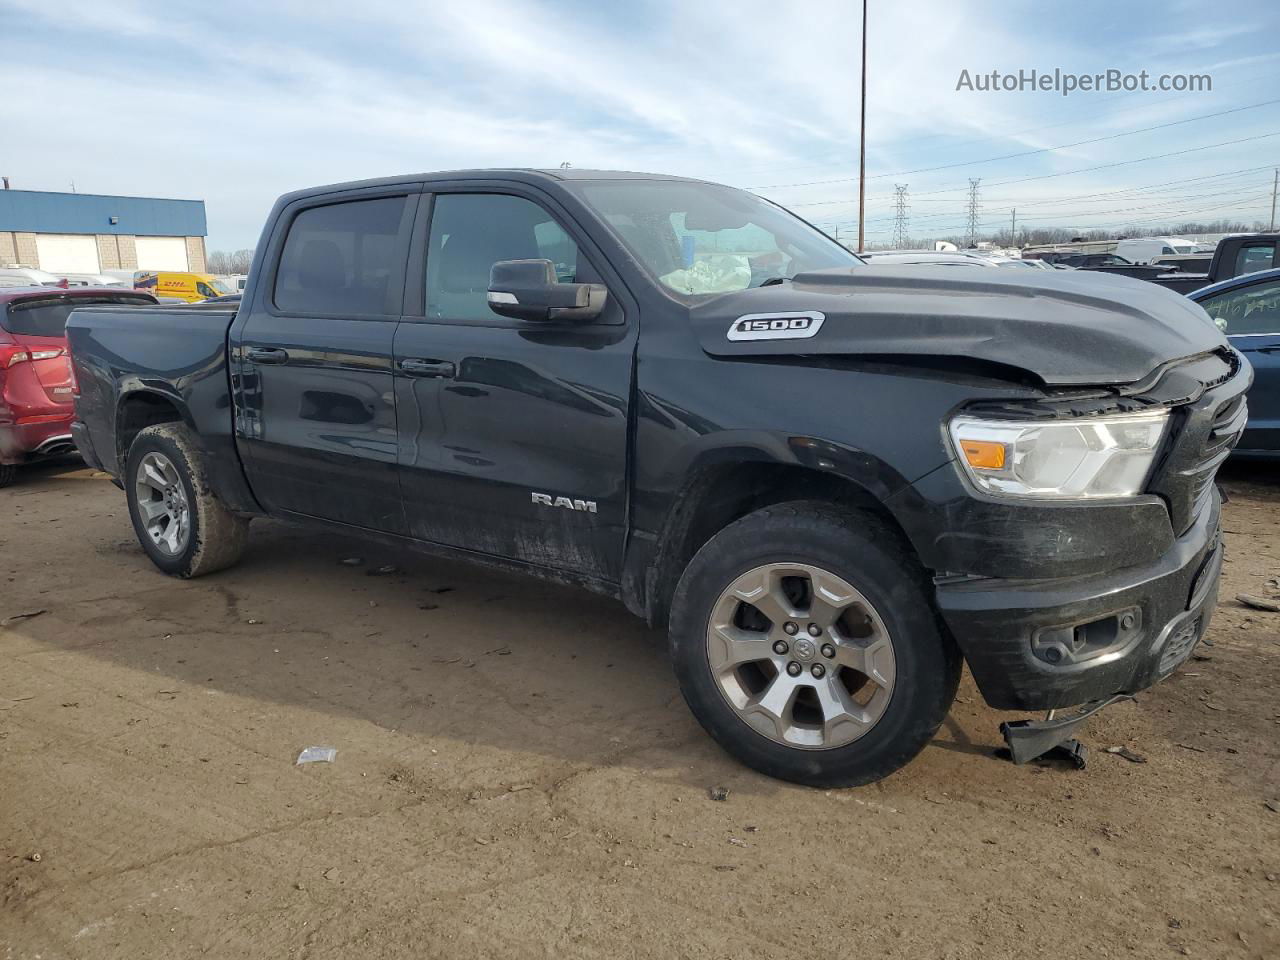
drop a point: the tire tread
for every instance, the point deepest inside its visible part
(219, 536)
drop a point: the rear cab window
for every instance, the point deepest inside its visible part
(1254, 257)
(47, 316)
(345, 258)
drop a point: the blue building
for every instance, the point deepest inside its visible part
(89, 233)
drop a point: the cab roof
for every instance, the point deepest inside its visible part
(518, 174)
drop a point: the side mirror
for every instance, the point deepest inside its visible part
(529, 290)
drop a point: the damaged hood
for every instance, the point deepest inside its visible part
(1065, 327)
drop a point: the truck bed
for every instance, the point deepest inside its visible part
(164, 357)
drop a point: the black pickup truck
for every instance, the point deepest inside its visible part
(1232, 257)
(832, 482)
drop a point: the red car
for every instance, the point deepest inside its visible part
(35, 371)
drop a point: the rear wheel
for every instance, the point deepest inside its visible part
(183, 527)
(806, 644)
(8, 474)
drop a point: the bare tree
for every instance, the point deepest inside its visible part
(229, 262)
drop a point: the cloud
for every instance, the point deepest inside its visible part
(239, 102)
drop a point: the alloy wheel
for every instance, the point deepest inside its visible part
(162, 503)
(801, 655)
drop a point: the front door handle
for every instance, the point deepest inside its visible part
(423, 367)
(266, 355)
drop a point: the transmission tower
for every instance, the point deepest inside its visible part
(971, 230)
(900, 239)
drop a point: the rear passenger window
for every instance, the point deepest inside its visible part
(470, 232)
(344, 258)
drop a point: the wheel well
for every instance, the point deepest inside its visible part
(719, 495)
(137, 412)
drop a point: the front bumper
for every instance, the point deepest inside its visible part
(1047, 644)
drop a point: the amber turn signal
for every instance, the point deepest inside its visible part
(983, 453)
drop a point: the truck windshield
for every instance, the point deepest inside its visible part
(701, 238)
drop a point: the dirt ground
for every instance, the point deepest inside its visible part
(517, 776)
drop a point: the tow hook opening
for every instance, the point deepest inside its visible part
(1073, 643)
(1030, 739)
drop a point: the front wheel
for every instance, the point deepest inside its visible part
(183, 527)
(805, 642)
(8, 474)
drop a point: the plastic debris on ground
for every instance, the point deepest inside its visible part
(317, 755)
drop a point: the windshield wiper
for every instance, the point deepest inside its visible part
(774, 281)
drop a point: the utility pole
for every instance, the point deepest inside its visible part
(971, 231)
(1275, 182)
(1013, 226)
(900, 241)
(862, 140)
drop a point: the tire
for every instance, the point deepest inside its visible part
(200, 535)
(8, 474)
(875, 591)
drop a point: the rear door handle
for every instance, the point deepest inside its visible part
(423, 367)
(266, 355)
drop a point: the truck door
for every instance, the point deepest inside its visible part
(316, 416)
(513, 435)
(1251, 317)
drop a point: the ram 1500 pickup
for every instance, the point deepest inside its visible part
(832, 482)
(1232, 257)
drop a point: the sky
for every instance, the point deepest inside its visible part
(235, 103)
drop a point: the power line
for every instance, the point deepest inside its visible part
(1087, 197)
(1090, 117)
(1025, 153)
(1103, 166)
(1125, 163)
(1165, 218)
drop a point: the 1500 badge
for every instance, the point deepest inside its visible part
(546, 500)
(776, 326)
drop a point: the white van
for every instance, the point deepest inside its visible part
(1146, 249)
(30, 275)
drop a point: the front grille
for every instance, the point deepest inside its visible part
(1179, 645)
(1205, 431)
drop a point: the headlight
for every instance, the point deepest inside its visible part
(1108, 456)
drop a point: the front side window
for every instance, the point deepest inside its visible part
(701, 238)
(343, 258)
(1252, 309)
(470, 232)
